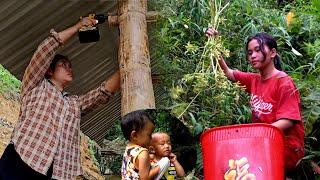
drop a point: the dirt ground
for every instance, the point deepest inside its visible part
(9, 112)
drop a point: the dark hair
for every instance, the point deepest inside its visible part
(54, 61)
(134, 121)
(266, 39)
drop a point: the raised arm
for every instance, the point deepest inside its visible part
(112, 84)
(40, 62)
(44, 54)
(100, 95)
(227, 71)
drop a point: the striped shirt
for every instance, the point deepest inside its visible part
(48, 129)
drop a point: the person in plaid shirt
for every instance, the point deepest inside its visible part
(46, 140)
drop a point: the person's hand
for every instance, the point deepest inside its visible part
(172, 157)
(211, 32)
(85, 22)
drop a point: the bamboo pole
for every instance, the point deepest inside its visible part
(134, 60)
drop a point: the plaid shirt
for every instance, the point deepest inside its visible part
(48, 129)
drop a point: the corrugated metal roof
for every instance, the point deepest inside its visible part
(25, 23)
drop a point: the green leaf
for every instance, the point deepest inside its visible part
(198, 128)
(193, 120)
(296, 52)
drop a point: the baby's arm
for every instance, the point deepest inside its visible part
(177, 165)
(154, 172)
(145, 172)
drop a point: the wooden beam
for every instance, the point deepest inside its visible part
(134, 59)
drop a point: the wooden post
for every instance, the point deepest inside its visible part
(134, 60)
(113, 19)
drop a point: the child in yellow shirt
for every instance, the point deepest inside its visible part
(161, 147)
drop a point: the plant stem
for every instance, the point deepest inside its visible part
(189, 105)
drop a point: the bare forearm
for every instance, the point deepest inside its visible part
(112, 84)
(66, 34)
(179, 169)
(144, 166)
(69, 32)
(100, 95)
(227, 71)
(153, 172)
(283, 124)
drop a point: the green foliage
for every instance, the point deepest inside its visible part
(307, 75)
(94, 152)
(162, 120)
(115, 164)
(191, 77)
(114, 132)
(9, 85)
(201, 96)
(309, 88)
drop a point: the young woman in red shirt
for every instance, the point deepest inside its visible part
(274, 98)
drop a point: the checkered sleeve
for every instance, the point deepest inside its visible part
(94, 98)
(40, 62)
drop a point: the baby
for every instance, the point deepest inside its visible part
(160, 148)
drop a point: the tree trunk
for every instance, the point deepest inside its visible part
(136, 83)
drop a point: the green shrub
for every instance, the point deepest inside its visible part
(9, 85)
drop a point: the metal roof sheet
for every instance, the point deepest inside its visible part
(25, 23)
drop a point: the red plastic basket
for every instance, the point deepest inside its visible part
(261, 145)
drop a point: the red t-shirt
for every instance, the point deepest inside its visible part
(273, 99)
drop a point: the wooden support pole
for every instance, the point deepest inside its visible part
(134, 59)
(113, 19)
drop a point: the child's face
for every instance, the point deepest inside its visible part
(143, 137)
(161, 145)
